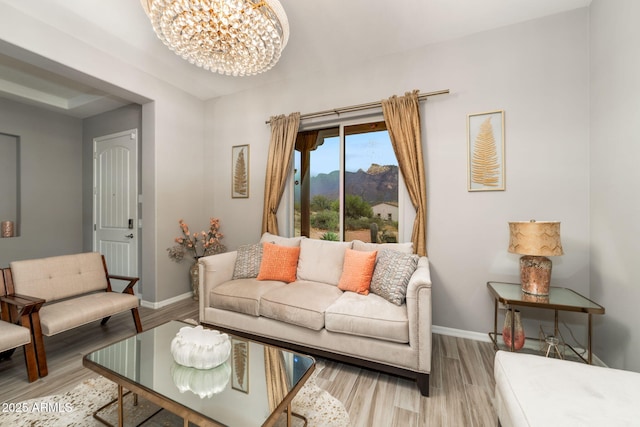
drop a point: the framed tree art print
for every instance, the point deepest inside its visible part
(240, 172)
(485, 151)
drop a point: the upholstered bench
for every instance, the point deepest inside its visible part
(15, 328)
(537, 391)
(77, 291)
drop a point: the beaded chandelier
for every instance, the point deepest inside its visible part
(232, 37)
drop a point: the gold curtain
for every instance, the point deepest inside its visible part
(277, 384)
(402, 116)
(284, 130)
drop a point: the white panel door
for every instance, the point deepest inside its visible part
(115, 159)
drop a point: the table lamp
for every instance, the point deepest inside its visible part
(536, 240)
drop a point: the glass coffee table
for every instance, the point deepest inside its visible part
(243, 391)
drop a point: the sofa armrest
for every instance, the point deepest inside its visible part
(419, 313)
(213, 271)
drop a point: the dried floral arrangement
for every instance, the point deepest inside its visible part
(199, 244)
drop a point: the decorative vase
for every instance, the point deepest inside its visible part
(7, 229)
(512, 320)
(200, 348)
(194, 274)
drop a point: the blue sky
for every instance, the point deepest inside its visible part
(362, 150)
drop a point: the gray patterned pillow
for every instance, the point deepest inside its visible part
(391, 275)
(248, 261)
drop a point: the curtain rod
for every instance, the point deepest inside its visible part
(359, 107)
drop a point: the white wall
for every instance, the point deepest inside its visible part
(536, 71)
(51, 209)
(615, 206)
(172, 142)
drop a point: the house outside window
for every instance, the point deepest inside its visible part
(346, 183)
(388, 210)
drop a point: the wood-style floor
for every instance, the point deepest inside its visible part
(461, 381)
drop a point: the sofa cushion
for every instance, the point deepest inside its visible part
(59, 277)
(70, 313)
(248, 261)
(405, 248)
(368, 316)
(357, 271)
(282, 241)
(300, 303)
(242, 295)
(321, 260)
(278, 263)
(12, 336)
(391, 276)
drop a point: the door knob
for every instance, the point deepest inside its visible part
(130, 236)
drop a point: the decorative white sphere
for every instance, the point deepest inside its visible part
(200, 348)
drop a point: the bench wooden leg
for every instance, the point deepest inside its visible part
(38, 343)
(31, 361)
(136, 319)
(29, 352)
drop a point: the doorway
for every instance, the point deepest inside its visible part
(115, 206)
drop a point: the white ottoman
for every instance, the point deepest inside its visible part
(537, 391)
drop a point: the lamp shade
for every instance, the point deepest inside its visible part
(539, 238)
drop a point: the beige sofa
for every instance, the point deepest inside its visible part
(313, 315)
(76, 290)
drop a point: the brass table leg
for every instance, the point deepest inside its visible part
(495, 319)
(120, 407)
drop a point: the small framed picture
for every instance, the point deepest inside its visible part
(485, 151)
(240, 365)
(240, 171)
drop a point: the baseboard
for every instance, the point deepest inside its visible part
(460, 333)
(479, 336)
(164, 303)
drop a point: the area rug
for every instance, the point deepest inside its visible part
(75, 408)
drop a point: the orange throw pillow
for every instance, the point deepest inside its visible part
(279, 263)
(357, 271)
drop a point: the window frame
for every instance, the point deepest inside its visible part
(287, 209)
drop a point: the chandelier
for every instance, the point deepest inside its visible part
(232, 37)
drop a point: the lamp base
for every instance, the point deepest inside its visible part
(535, 274)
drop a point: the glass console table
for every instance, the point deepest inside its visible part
(559, 299)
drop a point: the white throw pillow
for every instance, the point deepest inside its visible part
(405, 248)
(282, 241)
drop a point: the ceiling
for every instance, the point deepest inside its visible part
(325, 35)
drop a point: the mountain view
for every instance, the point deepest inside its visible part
(376, 184)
